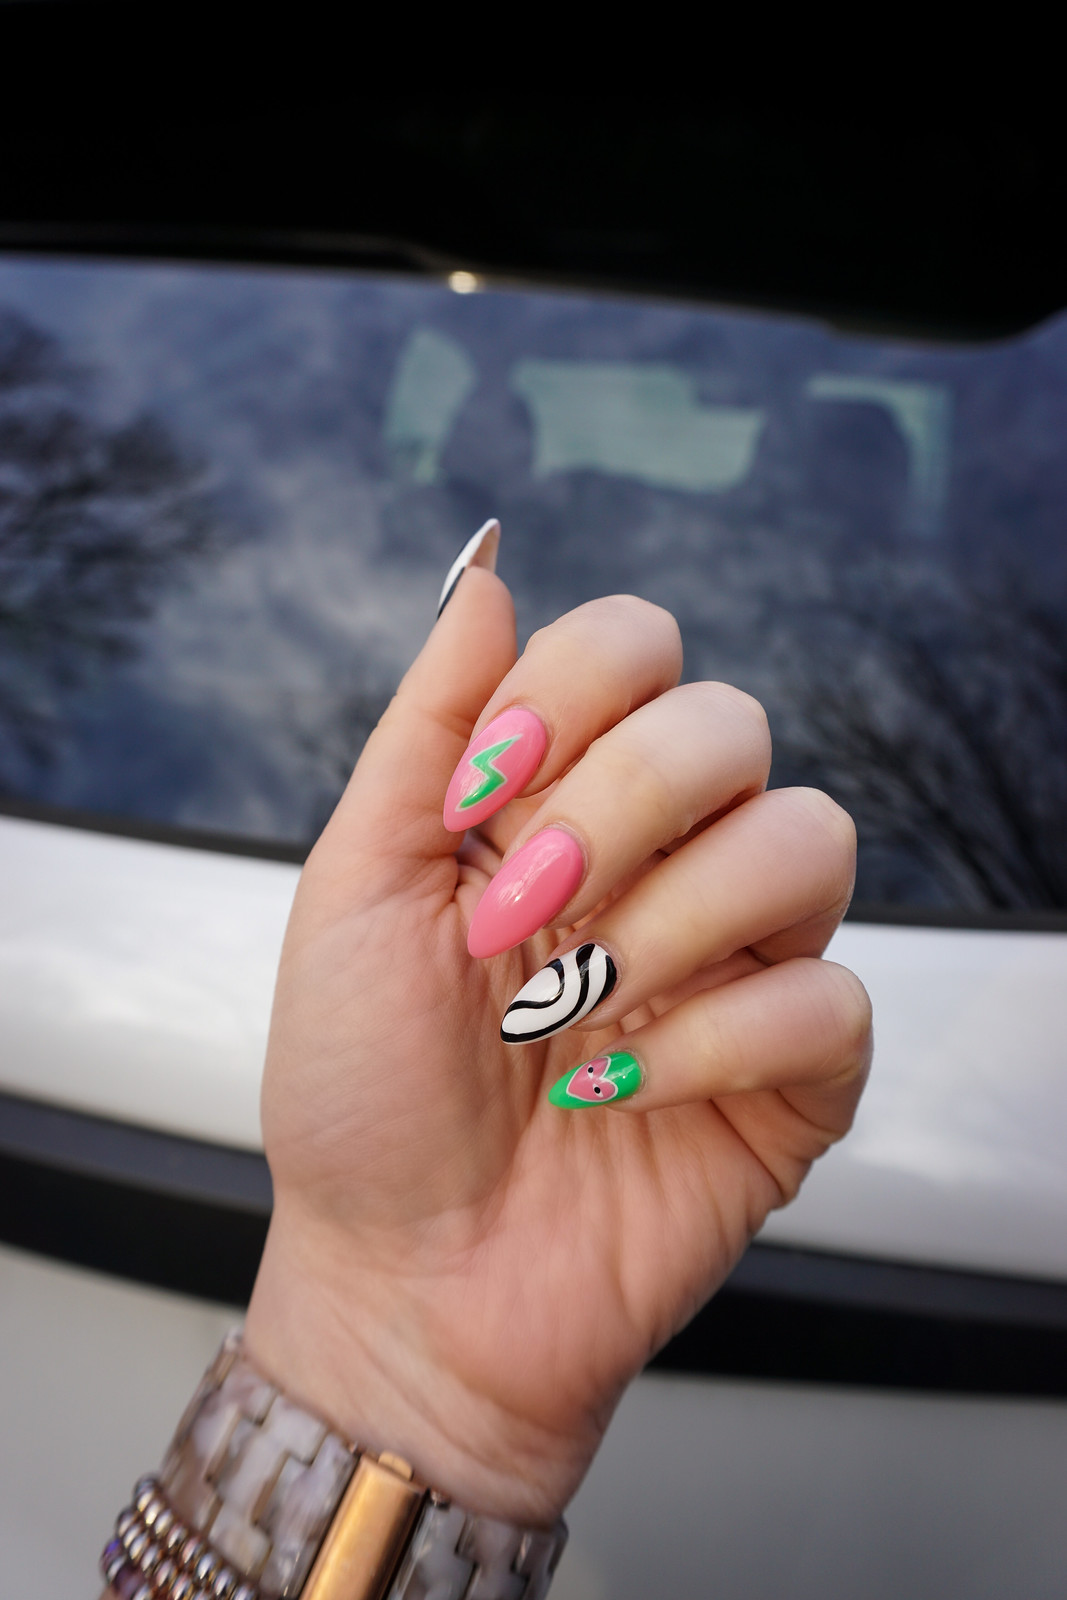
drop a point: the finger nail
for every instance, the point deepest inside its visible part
(495, 766)
(479, 551)
(615, 1076)
(526, 892)
(560, 995)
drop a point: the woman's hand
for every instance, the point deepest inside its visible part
(459, 1269)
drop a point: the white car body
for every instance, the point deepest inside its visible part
(135, 985)
(136, 981)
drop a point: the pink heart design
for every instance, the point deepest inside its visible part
(589, 1082)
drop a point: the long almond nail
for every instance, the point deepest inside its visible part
(560, 995)
(495, 766)
(479, 551)
(615, 1076)
(526, 892)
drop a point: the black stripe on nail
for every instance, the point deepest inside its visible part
(580, 989)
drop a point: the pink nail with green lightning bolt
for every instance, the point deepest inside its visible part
(495, 766)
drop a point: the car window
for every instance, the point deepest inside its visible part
(228, 497)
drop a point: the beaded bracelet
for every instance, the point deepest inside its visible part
(155, 1556)
(259, 1499)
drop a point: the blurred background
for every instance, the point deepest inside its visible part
(265, 363)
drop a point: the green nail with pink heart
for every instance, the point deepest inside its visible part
(613, 1076)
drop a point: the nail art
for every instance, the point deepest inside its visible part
(615, 1076)
(495, 766)
(527, 892)
(560, 995)
(479, 551)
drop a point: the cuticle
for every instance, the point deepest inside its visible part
(516, 705)
(560, 827)
(625, 1050)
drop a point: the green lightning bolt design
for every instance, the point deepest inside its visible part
(492, 779)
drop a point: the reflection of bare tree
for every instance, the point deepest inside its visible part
(94, 520)
(939, 717)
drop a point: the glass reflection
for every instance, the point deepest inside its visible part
(228, 497)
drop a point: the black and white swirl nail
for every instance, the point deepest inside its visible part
(560, 995)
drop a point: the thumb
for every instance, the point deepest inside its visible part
(389, 817)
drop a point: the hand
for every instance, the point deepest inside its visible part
(458, 1269)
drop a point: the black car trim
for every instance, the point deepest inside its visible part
(992, 921)
(149, 1237)
(189, 1216)
(767, 1337)
(227, 844)
(141, 1158)
(822, 1278)
(233, 844)
(812, 214)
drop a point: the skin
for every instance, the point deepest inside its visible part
(457, 1270)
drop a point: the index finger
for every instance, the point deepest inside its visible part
(576, 678)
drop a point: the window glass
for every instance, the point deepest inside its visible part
(228, 498)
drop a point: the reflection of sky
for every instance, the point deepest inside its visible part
(253, 371)
(726, 465)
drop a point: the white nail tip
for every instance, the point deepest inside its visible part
(560, 995)
(483, 545)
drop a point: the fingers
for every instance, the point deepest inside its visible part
(644, 784)
(576, 679)
(804, 1025)
(773, 876)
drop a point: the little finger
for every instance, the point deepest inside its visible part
(805, 1023)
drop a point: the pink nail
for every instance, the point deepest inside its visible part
(495, 766)
(526, 892)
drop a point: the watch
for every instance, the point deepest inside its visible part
(259, 1499)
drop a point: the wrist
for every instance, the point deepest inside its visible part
(362, 1347)
(258, 1498)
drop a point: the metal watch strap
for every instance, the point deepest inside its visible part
(272, 1499)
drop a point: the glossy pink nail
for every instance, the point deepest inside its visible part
(495, 766)
(527, 892)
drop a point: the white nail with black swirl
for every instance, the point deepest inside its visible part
(560, 995)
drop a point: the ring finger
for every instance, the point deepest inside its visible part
(773, 876)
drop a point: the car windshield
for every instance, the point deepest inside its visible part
(228, 497)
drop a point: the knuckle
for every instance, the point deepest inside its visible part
(650, 790)
(625, 611)
(832, 819)
(630, 610)
(851, 1013)
(744, 711)
(594, 630)
(632, 619)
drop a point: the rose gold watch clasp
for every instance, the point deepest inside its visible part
(369, 1533)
